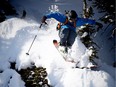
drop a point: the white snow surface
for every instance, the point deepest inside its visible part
(16, 36)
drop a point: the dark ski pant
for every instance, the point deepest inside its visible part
(67, 37)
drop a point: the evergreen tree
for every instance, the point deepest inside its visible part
(108, 8)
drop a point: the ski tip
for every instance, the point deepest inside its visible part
(55, 42)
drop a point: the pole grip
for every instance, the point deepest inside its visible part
(40, 25)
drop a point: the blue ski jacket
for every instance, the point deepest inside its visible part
(62, 18)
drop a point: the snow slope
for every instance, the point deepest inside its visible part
(16, 36)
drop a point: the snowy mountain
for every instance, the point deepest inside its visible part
(16, 36)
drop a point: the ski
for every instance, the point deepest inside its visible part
(62, 52)
(66, 58)
(93, 67)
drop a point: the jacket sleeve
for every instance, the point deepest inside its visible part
(58, 16)
(83, 21)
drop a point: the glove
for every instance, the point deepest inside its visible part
(58, 26)
(99, 26)
(44, 19)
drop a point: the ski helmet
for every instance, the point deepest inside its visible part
(73, 14)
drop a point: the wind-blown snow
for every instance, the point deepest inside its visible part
(16, 36)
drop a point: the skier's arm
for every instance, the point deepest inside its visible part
(56, 15)
(83, 21)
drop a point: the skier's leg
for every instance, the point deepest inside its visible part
(63, 34)
(70, 41)
(71, 38)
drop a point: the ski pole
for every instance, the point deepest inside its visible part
(33, 40)
(31, 44)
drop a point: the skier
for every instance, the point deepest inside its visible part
(67, 26)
